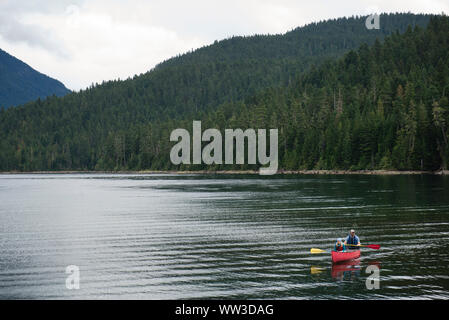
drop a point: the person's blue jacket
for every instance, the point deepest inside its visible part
(352, 240)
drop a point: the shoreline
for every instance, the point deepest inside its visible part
(255, 172)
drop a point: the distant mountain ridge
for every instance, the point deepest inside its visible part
(293, 82)
(19, 83)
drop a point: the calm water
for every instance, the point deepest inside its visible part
(196, 236)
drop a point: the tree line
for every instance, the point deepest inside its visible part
(383, 105)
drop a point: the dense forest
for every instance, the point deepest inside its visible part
(382, 105)
(19, 83)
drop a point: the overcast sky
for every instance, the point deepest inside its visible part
(80, 42)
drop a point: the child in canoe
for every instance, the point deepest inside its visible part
(339, 245)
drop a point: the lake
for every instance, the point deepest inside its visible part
(194, 236)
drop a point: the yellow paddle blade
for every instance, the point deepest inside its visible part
(315, 250)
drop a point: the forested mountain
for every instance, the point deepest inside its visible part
(379, 107)
(19, 83)
(382, 105)
(238, 67)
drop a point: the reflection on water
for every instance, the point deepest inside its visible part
(346, 270)
(196, 236)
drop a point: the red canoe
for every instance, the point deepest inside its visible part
(338, 256)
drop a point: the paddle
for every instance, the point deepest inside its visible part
(315, 250)
(371, 246)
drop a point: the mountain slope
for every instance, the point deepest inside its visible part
(126, 124)
(379, 107)
(19, 83)
(238, 67)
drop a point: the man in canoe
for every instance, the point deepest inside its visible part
(339, 245)
(352, 239)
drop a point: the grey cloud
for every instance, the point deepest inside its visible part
(13, 30)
